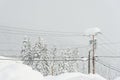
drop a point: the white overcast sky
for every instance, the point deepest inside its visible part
(59, 15)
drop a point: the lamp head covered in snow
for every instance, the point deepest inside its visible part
(93, 31)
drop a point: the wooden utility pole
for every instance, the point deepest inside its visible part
(95, 32)
(93, 56)
(89, 63)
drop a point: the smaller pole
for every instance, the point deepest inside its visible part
(93, 58)
(89, 63)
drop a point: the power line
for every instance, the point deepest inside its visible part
(36, 32)
(43, 60)
(57, 48)
(58, 57)
(108, 47)
(39, 34)
(10, 50)
(108, 66)
(108, 56)
(1, 26)
(110, 43)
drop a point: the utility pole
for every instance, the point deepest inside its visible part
(92, 33)
(93, 44)
(89, 68)
(93, 56)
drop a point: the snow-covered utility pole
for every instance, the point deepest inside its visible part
(92, 33)
(93, 47)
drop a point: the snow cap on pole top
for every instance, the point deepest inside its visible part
(92, 31)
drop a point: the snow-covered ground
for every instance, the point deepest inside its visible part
(75, 76)
(117, 78)
(12, 70)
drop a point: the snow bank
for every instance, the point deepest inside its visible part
(10, 70)
(75, 76)
(117, 78)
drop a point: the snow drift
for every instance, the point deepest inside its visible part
(12, 70)
(117, 78)
(75, 76)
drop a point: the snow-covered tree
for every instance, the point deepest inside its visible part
(41, 57)
(49, 61)
(66, 61)
(53, 64)
(70, 62)
(26, 51)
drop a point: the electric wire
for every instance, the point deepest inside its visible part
(107, 48)
(21, 31)
(109, 41)
(1, 26)
(108, 56)
(43, 60)
(108, 66)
